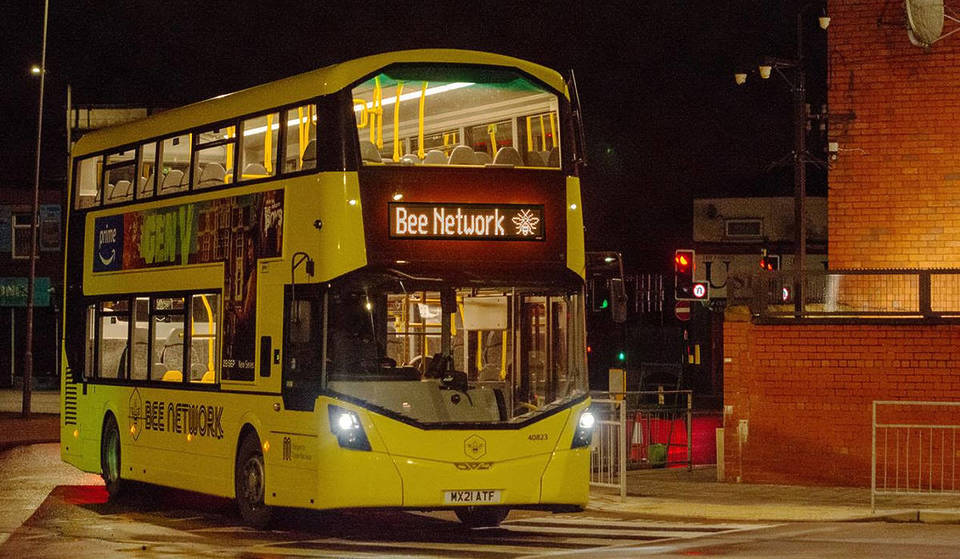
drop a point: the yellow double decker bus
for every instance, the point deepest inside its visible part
(361, 286)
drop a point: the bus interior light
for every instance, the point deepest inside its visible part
(583, 436)
(345, 424)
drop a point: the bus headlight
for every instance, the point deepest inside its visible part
(583, 436)
(345, 424)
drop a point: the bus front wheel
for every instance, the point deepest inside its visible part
(250, 483)
(481, 517)
(110, 456)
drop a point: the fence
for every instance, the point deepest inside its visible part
(854, 293)
(608, 461)
(659, 432)
(914, 449)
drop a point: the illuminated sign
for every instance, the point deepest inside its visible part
(700, 290)
(508, 222)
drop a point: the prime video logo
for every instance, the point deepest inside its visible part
(106, 246)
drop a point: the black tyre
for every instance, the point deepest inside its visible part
(481, 517)
(110, 466)
(250, 484)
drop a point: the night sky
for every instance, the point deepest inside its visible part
(665, 122)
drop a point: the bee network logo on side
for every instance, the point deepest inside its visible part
(108, 243)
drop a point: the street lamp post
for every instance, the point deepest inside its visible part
(797, 84)
(28, 354)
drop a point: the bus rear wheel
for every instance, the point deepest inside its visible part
(481, 517)
(110, 457)
(250, 484)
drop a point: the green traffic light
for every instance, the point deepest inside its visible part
(621, 356)
(604, 304)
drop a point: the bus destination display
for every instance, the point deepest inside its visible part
(466, 221)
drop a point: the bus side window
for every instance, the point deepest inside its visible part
(87, 189)
(203, 338)
(166, 324)
(112, 338)
(300, 146)
(91, 342)
(139, 361)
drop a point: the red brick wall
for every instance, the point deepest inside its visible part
(895, 186)
(806, 392)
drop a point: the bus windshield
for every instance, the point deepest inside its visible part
(456, 115)
(502, 354)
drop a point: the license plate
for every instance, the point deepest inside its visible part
(471, 496)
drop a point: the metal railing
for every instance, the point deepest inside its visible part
(608, 453)
(660, 422)
(914, 449)
(918, 294)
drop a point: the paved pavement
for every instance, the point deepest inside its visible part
(696, 495)
(670, 494)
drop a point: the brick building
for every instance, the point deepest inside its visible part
(802, 389)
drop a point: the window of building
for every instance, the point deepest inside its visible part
(300, 148)
(49, 233)
(87, 182)
(213, 161)
(746, 228)
(147, 175)
(120, 176)
(173, 174)
(258, 146)
(168, 338)
(21, 235)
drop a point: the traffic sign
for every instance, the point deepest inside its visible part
(682, 311)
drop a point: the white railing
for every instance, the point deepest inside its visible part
(608, 452)
(914, 449)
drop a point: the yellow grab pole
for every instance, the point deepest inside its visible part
(503, 357)
(479, 350)
(492, 130)
(423, 98)
(364, 114)
(396, 124)
(378, 102)
(543, 135)
(268, 146)
(300, 145)
(529, 136)
(229, 155)
(210, 336)
(553, 132)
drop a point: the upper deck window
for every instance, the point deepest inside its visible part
(419, 114)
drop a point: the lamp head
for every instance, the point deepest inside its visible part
(740, 78)
(35, 70)
(765, 70)
(824, 22)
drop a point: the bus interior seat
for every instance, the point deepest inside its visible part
(462, 155)
(310, 155)
(254, 170)
(172, 376)
(553, 157)
(534, 159)
(121, 191)
(211, 175)
(208, 377)
(409, 159)
(108, 192)
(171, 182)
(435, 157)
(146, 185)
(508, 155)
(483, 158)
(369, 152)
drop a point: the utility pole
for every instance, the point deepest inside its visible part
(28, 355)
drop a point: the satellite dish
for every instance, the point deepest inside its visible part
(925, 19)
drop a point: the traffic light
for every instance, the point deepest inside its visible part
(683, 275)
(769, 262)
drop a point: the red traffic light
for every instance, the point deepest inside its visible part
(682, 260)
